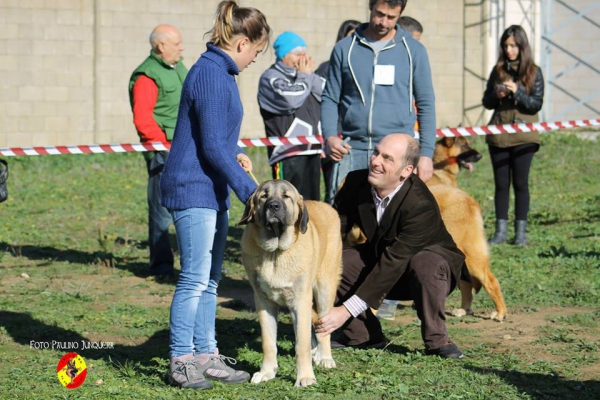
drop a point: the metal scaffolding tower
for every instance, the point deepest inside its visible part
(577, 63)
(571, 72)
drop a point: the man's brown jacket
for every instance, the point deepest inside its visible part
(411, 223)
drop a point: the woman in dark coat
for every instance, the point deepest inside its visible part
(515, 91)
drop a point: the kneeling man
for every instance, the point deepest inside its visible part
(408, 254)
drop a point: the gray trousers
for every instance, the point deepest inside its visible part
(159, 219)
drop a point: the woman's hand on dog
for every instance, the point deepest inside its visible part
(332, 321)
(244, 162)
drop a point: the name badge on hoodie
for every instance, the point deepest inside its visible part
(384, 74)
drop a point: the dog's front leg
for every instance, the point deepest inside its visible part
(324, 298)
(267, 317)
(301, 316)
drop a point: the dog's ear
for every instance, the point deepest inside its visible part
(302, 215)
(448, 141)
(248, 216)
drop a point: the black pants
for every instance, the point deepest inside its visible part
(428, 281)
(159, 219)
(512, 163)
(327, 168)
(304, 172)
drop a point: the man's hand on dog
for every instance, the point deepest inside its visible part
(332, 321)
(425, 168)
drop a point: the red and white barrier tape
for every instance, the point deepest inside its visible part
(274, 141)
(516, 128)
(84, 149)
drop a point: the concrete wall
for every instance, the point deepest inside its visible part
(65, 64)
(442, 36)
(47, 74)
(475, 65)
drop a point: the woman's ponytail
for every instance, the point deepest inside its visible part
(232, 20)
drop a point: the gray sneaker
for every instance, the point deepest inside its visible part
(184, 373)
(213, 366)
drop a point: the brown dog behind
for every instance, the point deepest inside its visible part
(449, 156)
(462, 216)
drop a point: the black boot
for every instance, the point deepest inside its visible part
(520, 236)
(501, 232)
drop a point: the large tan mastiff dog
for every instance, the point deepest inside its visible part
(292, 252)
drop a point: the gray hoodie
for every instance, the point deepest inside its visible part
(289, 104)
(370, 111)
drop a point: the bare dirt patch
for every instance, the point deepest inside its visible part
(528, 335)
(532, 336)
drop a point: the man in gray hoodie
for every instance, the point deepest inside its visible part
(375, 76)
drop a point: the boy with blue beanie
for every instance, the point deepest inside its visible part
(289, 97)
(287, 42)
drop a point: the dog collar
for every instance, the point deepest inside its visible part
(447, 161)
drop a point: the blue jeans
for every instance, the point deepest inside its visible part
(201, 235)
(159, 220)
(357, 159)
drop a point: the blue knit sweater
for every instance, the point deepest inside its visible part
(202, 167)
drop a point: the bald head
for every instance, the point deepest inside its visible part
(393, 160)
(166, 43)
(404, 144)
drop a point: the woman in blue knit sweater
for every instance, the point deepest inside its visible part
(204, 162)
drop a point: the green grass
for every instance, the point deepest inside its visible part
(76, 226)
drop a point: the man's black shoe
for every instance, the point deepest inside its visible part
(343, 344)
(449, 350)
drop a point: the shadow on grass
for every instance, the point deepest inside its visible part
(233, 248)
(544, 220)
(47, 255)
(544, 386)
(233, 334)
(562, 251)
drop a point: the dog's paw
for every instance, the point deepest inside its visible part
(495, 316)
(459, 312)
(326, 363)
(306, 381)
(259, 377)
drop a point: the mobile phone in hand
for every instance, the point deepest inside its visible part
(501, 88)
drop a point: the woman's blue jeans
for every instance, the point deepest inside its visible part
(201, 236)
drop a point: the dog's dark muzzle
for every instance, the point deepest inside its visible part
(470, 156)
(275, 215)
(275, 210)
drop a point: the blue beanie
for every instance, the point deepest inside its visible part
(286, 42)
